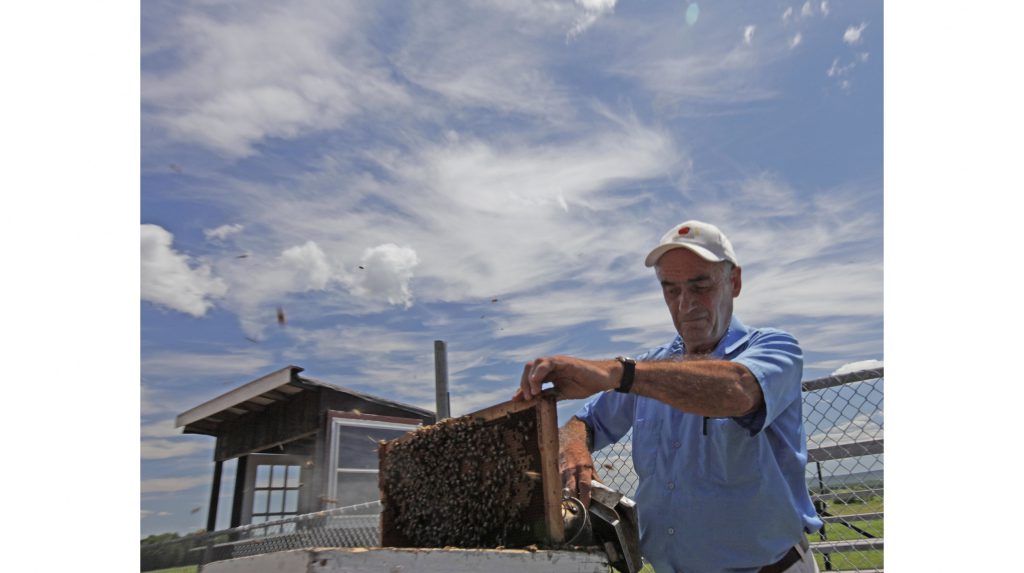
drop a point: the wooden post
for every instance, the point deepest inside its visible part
(236, 502)
(211, 516)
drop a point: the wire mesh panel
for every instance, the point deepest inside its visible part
(843, 420)
(352, 526)
(614, 466)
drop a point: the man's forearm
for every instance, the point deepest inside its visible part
(714, 388)
(575, 432)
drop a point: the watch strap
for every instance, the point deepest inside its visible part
(628, 372)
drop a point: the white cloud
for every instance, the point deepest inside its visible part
(387, 271)
(168, 278)
(807, 9)
(223, 232)
(309, 266)
(271, 71)
(160, 401)
(787, 14)
(161, 429)
(860, 365)
(839, 71)
(836, 70)
(259, 283)
(824, 7)
(718, 76)
(852, 35)
(795, 40)
(167, 485)
(486, 55)
(592, 11)
(748, 34)
(227, 365)
(147, 513)
(158, 449)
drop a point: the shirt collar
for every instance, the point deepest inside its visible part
(735, 335)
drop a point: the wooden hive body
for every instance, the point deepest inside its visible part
(487, 479)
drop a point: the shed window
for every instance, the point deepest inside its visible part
(354, 463)
(273, 483)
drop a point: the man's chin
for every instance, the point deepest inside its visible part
(693, 337)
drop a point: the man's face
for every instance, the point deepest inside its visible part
(699, 295)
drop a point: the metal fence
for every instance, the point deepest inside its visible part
(352, 526)
(843, 418)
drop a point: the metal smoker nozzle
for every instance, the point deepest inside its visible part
(610, 522)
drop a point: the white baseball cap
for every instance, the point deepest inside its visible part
(702, 238)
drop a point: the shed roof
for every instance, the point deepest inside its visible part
(255, 396)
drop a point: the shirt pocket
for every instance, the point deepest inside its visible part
(646, 438)
(730, 454)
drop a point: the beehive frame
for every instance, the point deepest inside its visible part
(549, 528)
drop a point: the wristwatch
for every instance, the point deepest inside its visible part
(628, 370)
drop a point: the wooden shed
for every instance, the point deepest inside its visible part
(302, 445)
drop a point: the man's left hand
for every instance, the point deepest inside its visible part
(573, 377)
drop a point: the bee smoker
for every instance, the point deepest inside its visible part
(610, 523)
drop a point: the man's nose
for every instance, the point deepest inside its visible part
(683, 302)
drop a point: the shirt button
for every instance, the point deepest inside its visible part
(676, 445)
(671, 485)
(671, 531)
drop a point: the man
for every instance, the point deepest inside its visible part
(718, 438)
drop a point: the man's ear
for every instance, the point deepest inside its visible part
(736, 278)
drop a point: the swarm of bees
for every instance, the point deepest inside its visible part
(461, 483)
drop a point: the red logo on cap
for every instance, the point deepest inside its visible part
(684, 230)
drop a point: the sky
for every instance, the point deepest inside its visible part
(491, 174)
(74, 130)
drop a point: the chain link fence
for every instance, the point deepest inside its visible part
(843, 418)
(352, 526)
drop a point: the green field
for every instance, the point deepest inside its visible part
(838, 532)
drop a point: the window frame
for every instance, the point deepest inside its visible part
(335, 422)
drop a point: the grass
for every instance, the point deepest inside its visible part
(853, 560)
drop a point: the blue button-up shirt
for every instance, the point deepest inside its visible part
(718, 494)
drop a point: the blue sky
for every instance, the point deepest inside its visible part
(491, 174)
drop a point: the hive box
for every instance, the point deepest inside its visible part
(526, 434)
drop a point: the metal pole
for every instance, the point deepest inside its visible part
(821, 510)
(441, 379)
